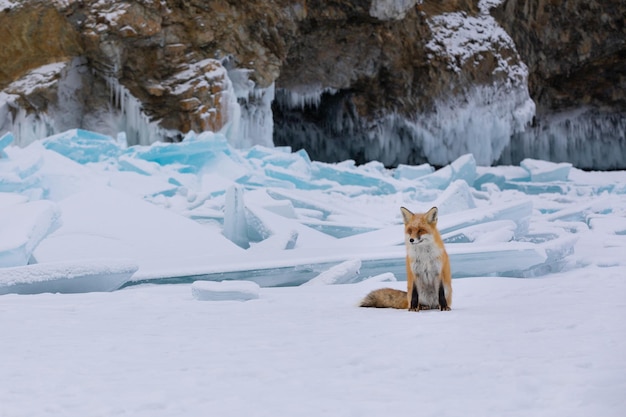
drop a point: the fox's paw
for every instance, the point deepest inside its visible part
(446, 308)
(414, 309)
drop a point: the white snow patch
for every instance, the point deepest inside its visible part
(41, 77)
(529, 347)
(343, 273)
(22, 227)
(225, 290)
(391, 9)
(86, 275)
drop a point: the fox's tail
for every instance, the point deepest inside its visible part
(386, 298)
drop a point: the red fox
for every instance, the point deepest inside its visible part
(429, 281)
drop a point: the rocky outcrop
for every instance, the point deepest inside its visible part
(398, 81)
(575, 50)
(441, 81)
(576, 54)
(146, 68)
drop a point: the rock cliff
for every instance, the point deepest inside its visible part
(404, 81)
(576, 54)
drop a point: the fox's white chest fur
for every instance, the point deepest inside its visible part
(425, 261)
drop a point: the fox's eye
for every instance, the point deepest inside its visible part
(409, 231)
(421, 232)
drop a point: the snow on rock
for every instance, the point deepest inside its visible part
(225, 290)
(81, 276)
(483, 121)
(391, 9)
(50, 91)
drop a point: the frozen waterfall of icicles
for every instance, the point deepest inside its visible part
(494, 123)
(586, 138)
(136, 125)
(246, 106)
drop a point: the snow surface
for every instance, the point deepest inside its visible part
(225, 290)
(82, 276)
(544, 347)
(119, 226)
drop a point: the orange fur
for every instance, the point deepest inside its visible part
(386, 298)
(429, 278)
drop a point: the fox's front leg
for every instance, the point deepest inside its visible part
(443, 303)
(414, 304)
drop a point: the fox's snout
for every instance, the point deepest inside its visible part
(417, 239)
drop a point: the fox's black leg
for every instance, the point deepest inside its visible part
(415, 306)
(443, 303)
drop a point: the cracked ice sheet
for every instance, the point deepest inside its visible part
(292, 220)
(106, 222)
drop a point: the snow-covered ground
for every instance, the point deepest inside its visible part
(553, 346)
(105, 254)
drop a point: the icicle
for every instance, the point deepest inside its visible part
(248, 110)
(133, 121)
(585, 138)
(299, 100)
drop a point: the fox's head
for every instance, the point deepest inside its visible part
(419, 227)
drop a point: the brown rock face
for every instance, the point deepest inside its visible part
(398, 81)
(385, 86)
(576, 54)
(34, 36)
(575, 50)
(149, 68)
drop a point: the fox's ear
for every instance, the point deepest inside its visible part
(431, 215)
(406, 214)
